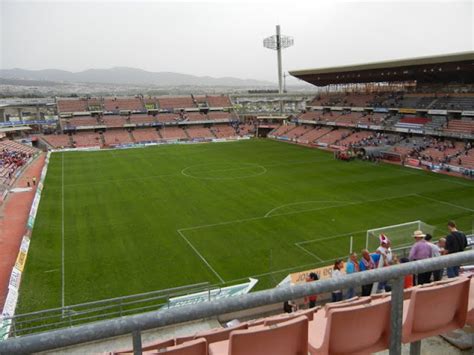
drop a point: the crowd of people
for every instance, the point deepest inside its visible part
(423, 248)
(12, 160)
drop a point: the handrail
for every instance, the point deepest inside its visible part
(150, 320)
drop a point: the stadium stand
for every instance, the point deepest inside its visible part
(193, 116)
(82, 121)
(312, 135)
(13, 156)
(116, 137)
(176, 102)
(114, 121)
(223, 131)
(218, 101)
(86, 139)
(142, 119)
(168, 117)
(245, 129)
(460, 126)
(281, 130)
(57, 140)
(355, 138)
(125, 104)
(297, 131)
(145, 135)
(310, 115)
(72, 105)
(196, 132)
(173, 133)
(334, 136)
(219, 115)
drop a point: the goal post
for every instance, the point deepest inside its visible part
(399, 234)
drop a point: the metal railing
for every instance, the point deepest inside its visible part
(82, 313)
(135, 324)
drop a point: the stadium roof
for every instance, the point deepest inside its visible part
(455, 67)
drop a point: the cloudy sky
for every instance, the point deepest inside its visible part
(224, 38)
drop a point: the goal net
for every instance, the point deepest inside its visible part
(400, 235)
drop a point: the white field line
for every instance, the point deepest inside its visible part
(201, 257)
(446, 203)
(62, 232)
(293, 212)
(308, 252)
(302, 203)
(249, 166)
(180, 231)
(330, 237)
(292, 162)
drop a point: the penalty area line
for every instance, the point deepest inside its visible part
(308, 252)
(201, 257)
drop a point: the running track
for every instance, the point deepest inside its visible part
(13, 218)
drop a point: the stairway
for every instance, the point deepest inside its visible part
(186, 132)
(102, 139)
(158, 131)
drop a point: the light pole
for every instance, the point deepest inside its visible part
(278, 42)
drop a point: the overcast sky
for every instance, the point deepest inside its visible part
(225, 38)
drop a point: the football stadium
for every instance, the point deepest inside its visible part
(244, 223)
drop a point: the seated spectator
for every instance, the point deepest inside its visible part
(313, 298)
(336, 273)
(352, 266)
(366, 263)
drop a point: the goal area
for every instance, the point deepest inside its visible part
(400, 235)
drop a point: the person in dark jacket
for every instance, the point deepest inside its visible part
(456, 242)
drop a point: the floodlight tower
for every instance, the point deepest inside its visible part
(278, 42)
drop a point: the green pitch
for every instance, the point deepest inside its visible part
(121, 222)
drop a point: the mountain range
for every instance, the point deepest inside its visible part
(124, 75)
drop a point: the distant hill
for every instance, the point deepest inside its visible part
(122, 75)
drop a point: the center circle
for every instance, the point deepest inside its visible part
(224, 171)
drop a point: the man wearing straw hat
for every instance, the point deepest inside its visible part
(419, 251)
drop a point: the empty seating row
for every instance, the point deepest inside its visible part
(460, 126)
(123, 104)
(223, 131)
(355, 138)
(333, 136)
(145, 135)
(81, 121)
(15, 146)
(72, 105)
(199, 132)
(314, 134)
(138, 104)
(117, 136)
(355, 326)
(57, 140)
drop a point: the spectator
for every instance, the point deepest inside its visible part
(366, 263)
(385, 250)
(455, 242)
(408, 279)
(313, 298)
(289, 307)
(419, 251)
(336, 273)
(352, 266)
(435, 251)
